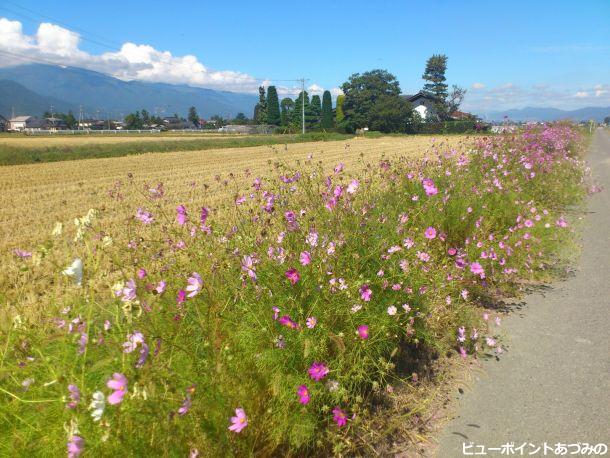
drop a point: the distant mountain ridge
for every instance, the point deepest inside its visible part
(72, 87)
(548, 114)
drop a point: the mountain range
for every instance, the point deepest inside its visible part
(548, 114)
(32, 89)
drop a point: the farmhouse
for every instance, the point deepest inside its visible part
(25, 123)
(53, 124)
(422, 103)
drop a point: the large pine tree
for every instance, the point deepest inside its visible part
(435, 85)
(273, 107)
(327, 111)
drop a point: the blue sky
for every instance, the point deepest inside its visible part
(507, 54)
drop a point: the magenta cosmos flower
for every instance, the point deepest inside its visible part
(293, 275)
(76, 444)
(363, 332)
(318, 371)
(477, 269)
(430, 233)
(303, 394)
(195, 283)
(239, 421)
(365, 293)
(339, 417)
(118, 383)
(429, 187)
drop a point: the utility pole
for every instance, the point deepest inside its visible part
(302, 80)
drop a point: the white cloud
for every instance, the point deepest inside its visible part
(507, 96)
(478, 86)
(54, 44)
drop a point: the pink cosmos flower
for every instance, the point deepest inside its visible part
(352, 187)
(74, 396)
(133, 340)
(429, 187)
(392, 310)
(561, 222)
(144, 216)
(128, 293)
(451, 251)
(423, 257)
(312, 239)
(181, 215)
(161, 287)
(141, 273)
(247, 265)
(118, 383)
(461, 334)
(195, 283)
(76, 444)
(365, 293)
(239, 421)
(463, 353)
(311, 322)
(339, 417)
(292, 275)
(477, 269)
(186, 405)
(430, 233)
(22, 253)
(363, 331)
(318, 371)
(408, 242)
(303, 394)
(305, 258)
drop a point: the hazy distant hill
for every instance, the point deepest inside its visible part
(72, 87)
(549, 114)
(18, 99)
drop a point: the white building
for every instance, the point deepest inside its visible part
(25, 123)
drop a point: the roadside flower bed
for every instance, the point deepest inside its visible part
(267, 326)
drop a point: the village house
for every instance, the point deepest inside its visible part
(25, 123)
(423, 104)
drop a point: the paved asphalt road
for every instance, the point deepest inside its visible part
(553, 385)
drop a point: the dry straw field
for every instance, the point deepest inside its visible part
(35, 197)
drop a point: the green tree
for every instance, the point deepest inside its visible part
(362, 91)
(273, 107)
(435, 85)
(133, 121)
(316, 110)
(310, 119)
(260, 110)
(327, 111)
(287, 108)
(240, 119)
(193, 117)
(339, 115)
(145, 118)
(70, 120)
(455, 98)
(391, 114)
(607, 120)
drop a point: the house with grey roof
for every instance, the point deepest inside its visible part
(423, 104)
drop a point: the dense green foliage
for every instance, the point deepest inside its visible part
(193, 117)
(273, 107)
(287, 107)
(260, 110)
(327, 111)
(339, 115)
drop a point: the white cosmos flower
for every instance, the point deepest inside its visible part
(97, 406)
(75, 270)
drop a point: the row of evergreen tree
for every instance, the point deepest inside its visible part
(319, 112)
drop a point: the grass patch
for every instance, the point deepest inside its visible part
(14, 155)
